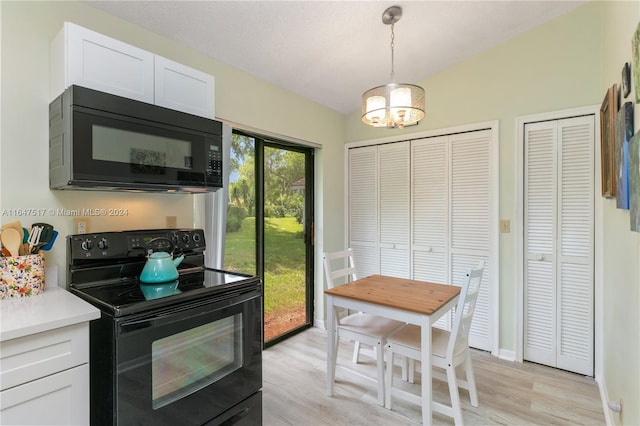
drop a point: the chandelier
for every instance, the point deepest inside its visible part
(394, 104)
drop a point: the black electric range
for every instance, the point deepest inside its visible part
(187, 351)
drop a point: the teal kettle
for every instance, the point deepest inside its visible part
(160, 268)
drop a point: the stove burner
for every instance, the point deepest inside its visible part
(158, 291)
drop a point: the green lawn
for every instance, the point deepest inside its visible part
(284, 260)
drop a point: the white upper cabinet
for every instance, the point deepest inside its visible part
(184, 89)
(86, 58)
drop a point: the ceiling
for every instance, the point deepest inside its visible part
(332, 51)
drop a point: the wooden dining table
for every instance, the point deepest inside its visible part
(410, 301)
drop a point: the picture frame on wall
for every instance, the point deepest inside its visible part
(624, 133)
(635, 52)
(626, 80)
(607, 142)
(634, 182)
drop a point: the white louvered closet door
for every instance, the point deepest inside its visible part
(363, 208)
(559, 223)
(394, 218)
(430, 208)
(470, 196)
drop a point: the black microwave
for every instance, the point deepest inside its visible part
(102, 141)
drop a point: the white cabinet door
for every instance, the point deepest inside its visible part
(59, 399)
(558, 238)
(394, 218)
(183, 88)
(86, 58)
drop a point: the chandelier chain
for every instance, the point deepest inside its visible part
(393, 36)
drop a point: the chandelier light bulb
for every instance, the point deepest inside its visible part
(395, 104)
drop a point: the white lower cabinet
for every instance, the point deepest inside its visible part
(44, 378)
(59, 399)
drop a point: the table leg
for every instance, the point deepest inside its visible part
(331, 345)
(426, 370)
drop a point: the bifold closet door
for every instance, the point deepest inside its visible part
(470, 218)
(558, 238)
(451, 208)
(393, 213)
(421, 209)
(430, 208)
(363, 208)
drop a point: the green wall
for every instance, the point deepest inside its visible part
(566, 63)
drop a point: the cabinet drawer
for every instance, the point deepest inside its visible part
(59, 399)
(41, 354)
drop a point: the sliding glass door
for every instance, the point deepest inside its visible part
(269, 228)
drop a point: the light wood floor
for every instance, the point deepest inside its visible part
(294, 391)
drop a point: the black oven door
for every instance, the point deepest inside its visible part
(191, 364)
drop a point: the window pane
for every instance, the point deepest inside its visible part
(240, 244)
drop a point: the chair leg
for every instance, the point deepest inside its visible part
(356, 352)
(471, 380)
(389, 377)
(336, 345)
(404, 362)
(455, 395)
(412, 370)
(380, 368)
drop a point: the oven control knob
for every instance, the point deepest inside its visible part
(196, 238)
(103, 244)
(185, 238)
(87, 245)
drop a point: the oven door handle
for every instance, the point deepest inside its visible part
(184, 312)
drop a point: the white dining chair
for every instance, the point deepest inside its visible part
(360, 327)
(449, 350)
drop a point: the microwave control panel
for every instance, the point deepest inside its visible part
(214, 164)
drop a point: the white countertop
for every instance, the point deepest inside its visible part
(54, 308)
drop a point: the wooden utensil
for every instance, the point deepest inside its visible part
(17, 226)
(11, 240)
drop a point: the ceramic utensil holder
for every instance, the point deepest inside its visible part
(22, 276)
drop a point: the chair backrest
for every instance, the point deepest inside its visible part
(464, 311)
(339, 267)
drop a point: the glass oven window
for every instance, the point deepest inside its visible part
(143, 149)
(186, 362)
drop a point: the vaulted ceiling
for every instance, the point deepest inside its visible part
(332, 51)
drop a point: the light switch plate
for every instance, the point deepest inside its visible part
(505, 226)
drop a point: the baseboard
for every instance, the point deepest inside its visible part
(507, 355)
(319, 323)
(604, 397)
